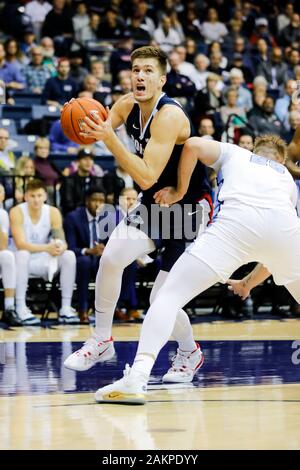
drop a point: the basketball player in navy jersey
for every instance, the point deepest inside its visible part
(159, 127)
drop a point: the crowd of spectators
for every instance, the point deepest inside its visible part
(234, 65)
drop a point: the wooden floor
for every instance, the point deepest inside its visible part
(257, 405)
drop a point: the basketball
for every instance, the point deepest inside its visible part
(73, 115)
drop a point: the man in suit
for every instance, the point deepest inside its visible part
(84, 237)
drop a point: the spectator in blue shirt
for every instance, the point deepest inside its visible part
(61, 88)
(10, 73)
(282, 104)
(59, 142)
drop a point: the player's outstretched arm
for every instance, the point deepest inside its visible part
(294, 154)
(244, 286)
(195, 148)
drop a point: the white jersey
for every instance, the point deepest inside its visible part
(36, 233)
(4, 221)
(247, 178)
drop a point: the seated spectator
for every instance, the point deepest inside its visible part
(75, 186)
(111, 25)
(103, 86)
(212, 29)
(137, 32)
(191, 50)
(191, 25)
(215, 63)
(206, 128)
(10, 73)
(185, 68)
(27, 41)
(88, 32)
(140, 11)
(7, 162)
(59, 142)
(7, 270)
(14, 55)
(260, 55)
(84, 238)
(58, 26)
(236, 79)
(90, 84)
(50, 59)
(237, 62)
(41, 251)
(246, 140)
(36, 73)
(24, 171)
(231, 108)
(61, 88)
(120, 57)
(275, 71)
(125, 83)
(177, 85)
(215, 46)
(294, 122)
(266, 121)
(77, 71)
(81, 19)
(95, 169)
(201, 73)
(284, 18)
(282, 104)
(208, 100)
(261, 31)
(166, 36)
(37, 11)
(46, 170)
(293, 61)
(290, 35)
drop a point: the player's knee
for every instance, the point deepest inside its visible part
(22, 257)
(7, 257)
(110, 263)
(68, 257)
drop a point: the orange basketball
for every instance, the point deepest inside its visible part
(73, 115)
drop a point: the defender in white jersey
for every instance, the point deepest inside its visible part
(41, 251)
(7, 269)
(257, 221)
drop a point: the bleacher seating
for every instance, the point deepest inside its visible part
(16, 112)
(27, 98)
(25, 143)
(9, 125)
(44, 111)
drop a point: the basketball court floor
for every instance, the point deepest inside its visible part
(246, 395)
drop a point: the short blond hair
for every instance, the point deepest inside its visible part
(274, 141)
(40, 141)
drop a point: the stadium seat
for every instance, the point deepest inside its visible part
(27, 98)
(9, 125)
(44, 111)
(15, 112)
(25, 143)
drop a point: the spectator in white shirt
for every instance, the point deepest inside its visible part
(37, 11)
(212, 29)
(201, 64)
(165, 36)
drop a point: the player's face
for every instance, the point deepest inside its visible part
(147, 80)
(36, 198)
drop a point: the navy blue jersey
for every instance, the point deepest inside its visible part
(199, 184)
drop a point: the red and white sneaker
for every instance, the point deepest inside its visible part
(90, 353)
(184, 366)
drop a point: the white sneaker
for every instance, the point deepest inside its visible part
(90, 353)
(68, 315)
(26, 316)
(184, 366)
(131, 388)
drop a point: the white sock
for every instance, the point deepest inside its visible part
(143, 364)
(67, 267)
(9, 303)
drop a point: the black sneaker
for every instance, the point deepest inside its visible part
(11, 317)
